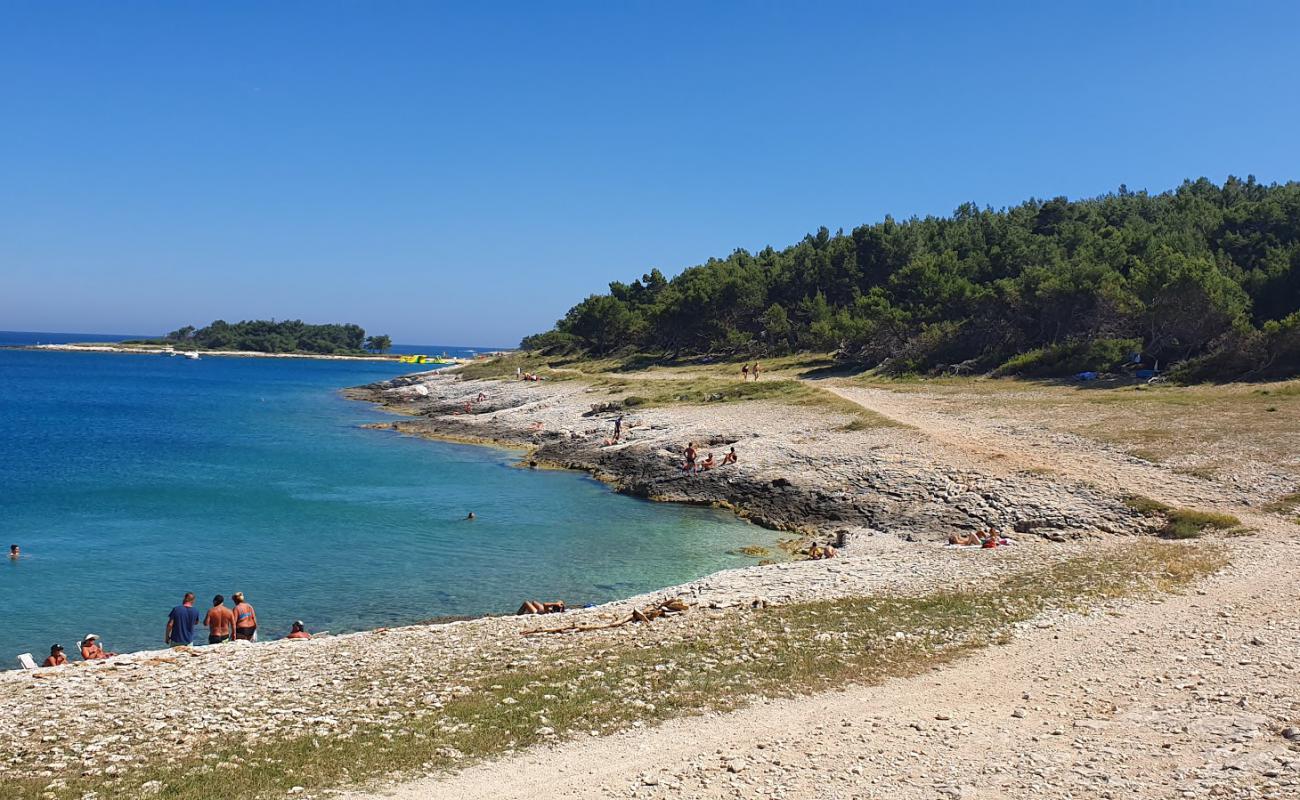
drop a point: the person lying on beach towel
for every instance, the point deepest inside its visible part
(987, 539)
(536, 607)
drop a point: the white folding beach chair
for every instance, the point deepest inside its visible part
(26, 660)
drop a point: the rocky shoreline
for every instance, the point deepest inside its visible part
(104, 720)
(800, 470)
(890, 493)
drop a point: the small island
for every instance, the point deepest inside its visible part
(259, 338)
(268, 336)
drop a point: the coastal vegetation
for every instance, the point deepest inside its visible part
(1204, 278)
(598, 685)
(270, 336)
(1183, 523)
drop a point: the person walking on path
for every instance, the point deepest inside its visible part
(757, 369)
(220, 621)
(744, 372)
(245, 618)
(181, 622)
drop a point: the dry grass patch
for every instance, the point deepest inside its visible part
(704, 390)
(1286, 504)
(1224, 425)
(503, 367)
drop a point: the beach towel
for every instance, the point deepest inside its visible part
(26, 660)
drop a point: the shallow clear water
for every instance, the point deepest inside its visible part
(129, 480)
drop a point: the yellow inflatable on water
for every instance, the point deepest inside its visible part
(425, 360)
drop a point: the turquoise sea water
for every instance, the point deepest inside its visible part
(128, 480)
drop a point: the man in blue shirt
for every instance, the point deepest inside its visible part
(181, 622)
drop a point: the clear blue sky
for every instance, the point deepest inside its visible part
(462, 173)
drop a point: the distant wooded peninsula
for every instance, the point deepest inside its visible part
(1204, 278)
(270, 336)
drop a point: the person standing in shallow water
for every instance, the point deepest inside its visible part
(245, 618)
(181, 622)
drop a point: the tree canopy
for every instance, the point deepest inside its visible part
(269, 336)
(1204, 276)
(379, 344)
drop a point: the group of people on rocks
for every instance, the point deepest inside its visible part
(91, 650)
(817, 552)
(224, 623)
(693, 467)
(987, 539)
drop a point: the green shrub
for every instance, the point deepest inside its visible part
(1181, 523)
(1099, 355)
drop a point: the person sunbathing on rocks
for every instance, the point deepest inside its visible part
(92, 650)
(536, 607)
(298, 631)
(57, 658)
(730, 457)
(994, 539)
(966, 539)
(708, 463)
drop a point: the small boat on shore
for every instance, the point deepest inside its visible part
(192, 356)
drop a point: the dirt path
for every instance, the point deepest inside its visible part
(1004, 444)
(1185, 696)
(1181, 698)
